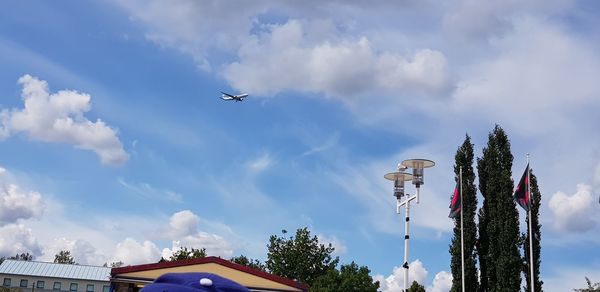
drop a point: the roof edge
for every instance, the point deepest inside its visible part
(53, 263)
(206, 260)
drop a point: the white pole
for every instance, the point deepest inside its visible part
(462, 242)
(530, 230)
(406, 237)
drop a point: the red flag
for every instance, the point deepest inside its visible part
(455, 203)
(522, 196)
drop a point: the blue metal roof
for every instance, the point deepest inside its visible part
(43, 269)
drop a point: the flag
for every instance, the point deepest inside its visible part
(455, 203)
(522, 196)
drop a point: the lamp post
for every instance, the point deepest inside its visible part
(399, 178)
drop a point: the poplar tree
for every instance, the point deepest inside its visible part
(464, 158)
(483, 241)
(537, 237)
(499, 237)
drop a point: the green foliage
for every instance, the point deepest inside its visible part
(300, 258)
(499, 238)
(186, 254)
(590, 288)
(536, 198)
(416, 287)
(350, 278)
(22, 257)
(464, 158)
(330, 281)
(18, 257)
(252, 263)
(64, 257)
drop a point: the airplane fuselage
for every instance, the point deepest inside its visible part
(227, 96)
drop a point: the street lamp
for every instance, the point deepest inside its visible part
(399, 178)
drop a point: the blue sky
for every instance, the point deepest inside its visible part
(116, 146)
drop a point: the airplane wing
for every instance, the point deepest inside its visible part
(227, 94)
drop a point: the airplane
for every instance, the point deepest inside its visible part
(227, 96)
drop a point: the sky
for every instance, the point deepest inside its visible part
(114, 143)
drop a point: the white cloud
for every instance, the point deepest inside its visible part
(476, 19)
(286, 58)
(575, 213)
(17, 239)
(184, 223)
(215, 245)
(132, 252)
(194, 27)
(15, 204)
(597, 176)
(555, 80)
(482, 20)
(183, 230)
(395, 281)
(82, 251)
(442, 282)
(59, 117)
(338, 245)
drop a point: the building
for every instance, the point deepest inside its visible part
(41, 276)
(133, 278)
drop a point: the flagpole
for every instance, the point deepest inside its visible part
(462, 242)
(530, 229)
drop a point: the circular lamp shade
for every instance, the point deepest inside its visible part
(418, 163)
(401, 176)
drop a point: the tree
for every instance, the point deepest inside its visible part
(64, 257)
(22, 257)
(301, 257)
(590, 288)
(499, 238)
(416, 287)
(18, 257)
(186, 254)
(536, 198)
(252, 263)
(351, 278)
(464, 158)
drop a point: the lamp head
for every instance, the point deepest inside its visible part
(398, 178)
(418, 165)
